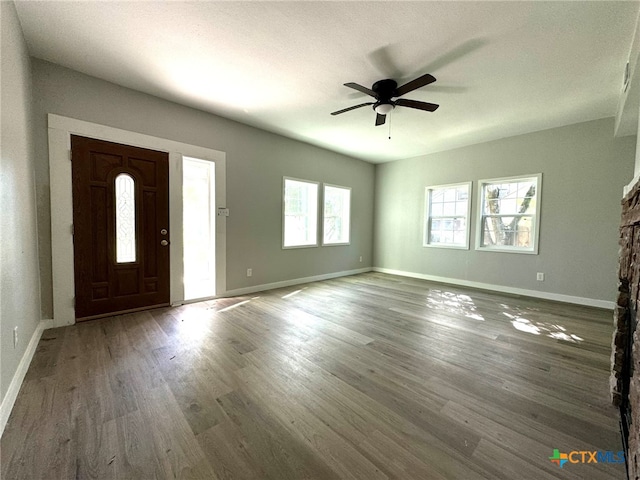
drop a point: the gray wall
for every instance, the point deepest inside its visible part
(19, 285)
(584, 170)
(256, 162)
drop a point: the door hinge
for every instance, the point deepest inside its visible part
(72, 229)
(70, 155)
(73, 301)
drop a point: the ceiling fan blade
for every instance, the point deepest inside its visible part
(351, 108)
(425, 79)
(429, 107)
(362, 89)
(380, 119)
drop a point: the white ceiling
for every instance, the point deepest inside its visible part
(502, 68)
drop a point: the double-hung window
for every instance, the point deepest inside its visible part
(447, 210)
(300, 213)
(336, 215)
(509, 217)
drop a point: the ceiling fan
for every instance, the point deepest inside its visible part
(384, 91)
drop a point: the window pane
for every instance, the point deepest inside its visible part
(491, 207)
(462, 193)
(508, 205)
(125, 219)
(449, 208)
(437, 196)
(487, 239)
(524, 230)
(492, 232)
(448, 223)
(300, 213)
(337, 206)
(450, 195)
(508, 236)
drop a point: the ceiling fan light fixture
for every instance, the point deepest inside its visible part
(383, 108)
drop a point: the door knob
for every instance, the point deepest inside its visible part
(164, 243)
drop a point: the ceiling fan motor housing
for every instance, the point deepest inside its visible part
(385, 89)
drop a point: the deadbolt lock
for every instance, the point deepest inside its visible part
(163, 231)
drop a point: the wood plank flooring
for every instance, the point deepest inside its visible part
(365, 377)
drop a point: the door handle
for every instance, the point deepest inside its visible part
(163, 231)
(164, 243)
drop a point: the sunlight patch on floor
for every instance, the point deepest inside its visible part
(288, 295)
(235, 305)
(194, 325)
(453, 303)
(551, 330)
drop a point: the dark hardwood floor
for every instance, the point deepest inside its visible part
(365, 377)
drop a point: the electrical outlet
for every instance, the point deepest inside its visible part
(540, 277)
(249, 272)
(360, 258)
(15, 337)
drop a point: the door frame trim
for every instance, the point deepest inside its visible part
(60, 130)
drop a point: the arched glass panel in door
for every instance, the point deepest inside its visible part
(125, 219)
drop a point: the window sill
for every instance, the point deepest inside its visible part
(450, 247)
(507, 250)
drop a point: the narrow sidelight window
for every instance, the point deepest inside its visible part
(199, 228)
(125, 219)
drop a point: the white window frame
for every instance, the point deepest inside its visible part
(324, 190)
(535, 220)
(284, 186)
(426, 230)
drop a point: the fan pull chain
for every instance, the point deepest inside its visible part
(390, 126)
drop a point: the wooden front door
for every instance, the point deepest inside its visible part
(120, 227)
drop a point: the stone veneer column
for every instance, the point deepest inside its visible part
(624, 313)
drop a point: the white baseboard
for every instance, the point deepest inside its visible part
(296, 281)
(558, 297)
(14, 387)
(53, 323)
